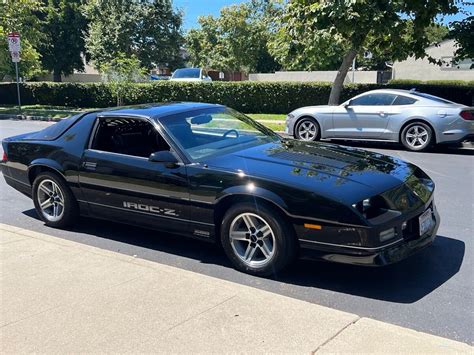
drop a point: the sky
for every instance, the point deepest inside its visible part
(195, 8)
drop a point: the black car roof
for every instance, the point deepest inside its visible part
(157, 110)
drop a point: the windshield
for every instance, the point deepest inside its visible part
(215, 131)
(187, 73)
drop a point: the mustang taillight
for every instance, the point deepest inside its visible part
(467, 115)
(4, 158)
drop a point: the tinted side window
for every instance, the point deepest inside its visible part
(404, 100)
(52, 132)
(128, 136)
(374, 100)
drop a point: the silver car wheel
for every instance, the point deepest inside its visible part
(417, 136)
(50, 200)
(307, 130)
(252, 239)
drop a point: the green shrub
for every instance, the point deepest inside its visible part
(248, 97)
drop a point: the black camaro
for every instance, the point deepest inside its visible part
(207, 171)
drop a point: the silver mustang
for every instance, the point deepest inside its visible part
(415, 119)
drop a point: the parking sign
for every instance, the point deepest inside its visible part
(14, 42)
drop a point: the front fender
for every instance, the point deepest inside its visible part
(251, 190)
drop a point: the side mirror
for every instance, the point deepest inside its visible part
(164, 156)
(346, 104)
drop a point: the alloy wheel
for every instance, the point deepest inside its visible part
(51, 200)
(417, 136)
(307, 130)
(252, 239)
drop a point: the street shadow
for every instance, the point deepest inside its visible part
(452, 149)
(405, 282)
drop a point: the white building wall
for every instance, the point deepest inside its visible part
(366, 77)
(422, 69)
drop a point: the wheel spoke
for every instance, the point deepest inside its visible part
(248, 222)
(45, 204)
(265, 230)
(265, 250)
(55, 210)
(237, 235)
(249, 253)
(45, 190)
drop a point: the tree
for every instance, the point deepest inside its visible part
(21, 16)
(462, 31)
(63, 47)
(354, 25)
(150, 30)
(236, 40)
(434, 33)
(120, 72)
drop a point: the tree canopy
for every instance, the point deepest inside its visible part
(63, 26)
(21, 16)
(236, 40)
(342, 29)
(150, 30)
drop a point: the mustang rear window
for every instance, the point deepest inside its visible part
(54, 131)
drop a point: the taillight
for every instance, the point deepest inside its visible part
(467, 115)
(4, 158)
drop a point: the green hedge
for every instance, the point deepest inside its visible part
(249, 97)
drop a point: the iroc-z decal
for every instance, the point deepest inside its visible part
(152, 209)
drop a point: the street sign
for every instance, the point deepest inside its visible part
(221, 75)
(14, 42)
(14, 47)
(15, 57)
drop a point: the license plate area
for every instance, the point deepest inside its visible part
(425, 221)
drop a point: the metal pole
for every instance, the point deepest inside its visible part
(18, 87)
(353, 70)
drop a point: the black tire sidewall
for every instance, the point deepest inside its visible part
(307, 119)
(430, 136)
(70, 203)
(284, 239)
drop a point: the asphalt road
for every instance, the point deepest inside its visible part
(432, 291)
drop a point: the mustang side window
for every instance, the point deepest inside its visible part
(378, 99)
(128, 136)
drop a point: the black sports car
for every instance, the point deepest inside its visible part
(207, 171)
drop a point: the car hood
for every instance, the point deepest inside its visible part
(313, 109)
(345, 174)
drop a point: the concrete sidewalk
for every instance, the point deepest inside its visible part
(59, 296)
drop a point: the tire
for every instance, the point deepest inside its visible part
(307, 129)
(417, 137)
(268, 248)
(61, 208)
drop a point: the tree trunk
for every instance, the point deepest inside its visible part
(57, 76)
(340, 77)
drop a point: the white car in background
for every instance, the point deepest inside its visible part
(191, 74)
(415, 119)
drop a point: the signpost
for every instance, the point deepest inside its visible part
(14, 47)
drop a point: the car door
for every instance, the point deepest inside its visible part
(119, 182)
(365, 116)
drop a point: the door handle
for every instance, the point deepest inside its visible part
(88, 165)
(382, 113)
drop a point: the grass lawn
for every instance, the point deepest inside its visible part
(267, 116)
(275, 122)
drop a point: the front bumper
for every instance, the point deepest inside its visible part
(389, 253)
